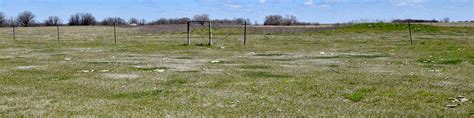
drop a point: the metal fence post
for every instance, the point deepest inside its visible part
(245, 33)
(409, 28)
(57, 28)
(115, 34)
(13, 26)
(189, 34)
(210, 34)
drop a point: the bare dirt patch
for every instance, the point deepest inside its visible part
(121, 76)
(25, 67)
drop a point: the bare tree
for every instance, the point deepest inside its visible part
(75, 19)
(280, 20)
(273, 20)
(10, 22)
(290, 20)
(446, 20)
(88, 19)
(2, 19)
(134, 21)
(26, 18)
(112, 21)
(52, 21)
(82, 19)
(142, 22)
(202, 17)
(162, 21)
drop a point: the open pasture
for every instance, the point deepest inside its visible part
(363, 69)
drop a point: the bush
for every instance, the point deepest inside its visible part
(112, 21)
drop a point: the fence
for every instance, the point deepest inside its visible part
(62, 32)
(194, 30)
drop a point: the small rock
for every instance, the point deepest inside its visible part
(322, 53)
(159, 70)
(221, 47)
(25, 67)
(67, 59)
(463, 100)
(215, 61)
(84, 71)
(103, 71)
(451, 106)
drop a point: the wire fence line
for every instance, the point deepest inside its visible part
(155, 32)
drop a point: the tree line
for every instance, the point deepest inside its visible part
(27, 18)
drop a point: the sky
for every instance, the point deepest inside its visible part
(322, 11)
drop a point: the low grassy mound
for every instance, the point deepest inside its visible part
(386, 27)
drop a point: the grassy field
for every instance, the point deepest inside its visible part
(364, 69)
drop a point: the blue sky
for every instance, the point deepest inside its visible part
(323, 11)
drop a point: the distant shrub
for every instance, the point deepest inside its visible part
(287, 20)
(112, 21)
(82, 19)
(52, 21)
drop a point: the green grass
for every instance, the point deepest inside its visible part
(136, 95)
(146, 69)
(367, 69)
(260, 74)
(251, 67)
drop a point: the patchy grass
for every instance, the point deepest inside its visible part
(136, 95)
(359, 94)
(440, 60)
(252, 67)
(269, 55)
(359, 69)
(262, 74)
(151, 68)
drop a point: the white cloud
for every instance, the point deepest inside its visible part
(406, 2)
(262, 1)
(233, 6)
(309, 2)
